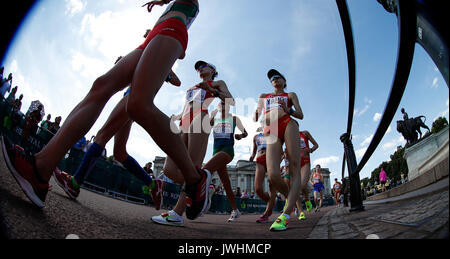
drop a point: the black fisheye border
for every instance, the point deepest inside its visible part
(13, 13)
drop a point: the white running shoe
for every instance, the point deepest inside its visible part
(234, 215)
(170, 218)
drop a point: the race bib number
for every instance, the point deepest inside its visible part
(274, 102)
(195, 95)
(302, 143)
(316, 180)
(223, 130)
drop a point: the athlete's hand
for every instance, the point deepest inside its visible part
(175, 117)
(251, 159)
(153, 3)
(238, 137)
(204, 86)
(118, 59)
(174, 80)
(284, 106)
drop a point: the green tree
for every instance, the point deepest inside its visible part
(393, 168)
(365, 181)
(398, 164)
(439, 124)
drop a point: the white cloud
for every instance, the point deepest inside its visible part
(326, 161)
(367, 141)
(389, 130)
(394, 143)
(359, 112)
(115, 34)
(360, 152)
(377, 117)
(435, 83)
(444, 113)
(88, 67)
(74, 6)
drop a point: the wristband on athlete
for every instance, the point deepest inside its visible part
(169, 77)
(291, 111)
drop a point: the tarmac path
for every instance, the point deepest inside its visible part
(94, 216)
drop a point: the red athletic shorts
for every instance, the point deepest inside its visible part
(170, 27)
(304, 161)
(278, 128)
(262, 161)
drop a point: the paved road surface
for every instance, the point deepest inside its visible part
(95, 216)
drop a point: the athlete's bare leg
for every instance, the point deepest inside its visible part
(84, 115)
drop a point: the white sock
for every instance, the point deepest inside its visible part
(174, 214)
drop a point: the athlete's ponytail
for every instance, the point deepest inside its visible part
(215, 75)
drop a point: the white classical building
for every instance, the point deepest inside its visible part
(242, 175)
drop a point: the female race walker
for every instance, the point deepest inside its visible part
(317, 183)
(337, 186)
(71, 184)
(305, 171)
(259, 150)
(279, 128)
(223, 153)
(145, 68)
(195, 133)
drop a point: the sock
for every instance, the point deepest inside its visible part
(75, 184)
(287, 216)
(88, 163)
(134, 168)
(173, 213)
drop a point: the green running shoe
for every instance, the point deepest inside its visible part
(280, 224)
(309, 206)
(302, 216)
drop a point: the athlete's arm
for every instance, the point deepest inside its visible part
(259, 107)
(310, 138)
(223, 92)
(298, 113)
(241, 128)
(212, 117)
(252, 157)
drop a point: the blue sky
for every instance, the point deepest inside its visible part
(63, 46)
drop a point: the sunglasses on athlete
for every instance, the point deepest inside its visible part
(275, 77)
(201, 67)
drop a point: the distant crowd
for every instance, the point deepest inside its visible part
(33, 116)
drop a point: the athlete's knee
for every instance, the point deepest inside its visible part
(259, 191)
(137, 109)
(274, 180)
(101, 88)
